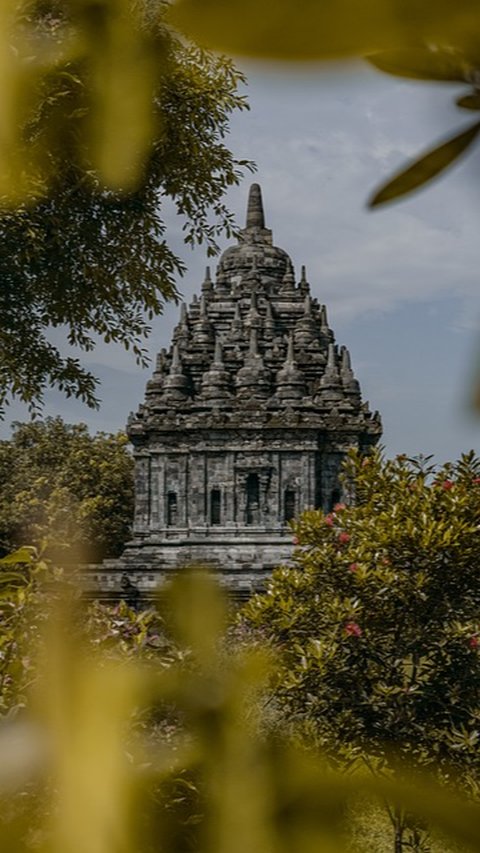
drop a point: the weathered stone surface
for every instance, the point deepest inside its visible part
(245, 423)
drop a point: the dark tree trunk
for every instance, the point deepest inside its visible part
(398, 848)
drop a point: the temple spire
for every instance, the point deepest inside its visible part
(255, 215)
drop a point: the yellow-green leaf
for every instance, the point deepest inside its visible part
(426, 168)
(26, 554)
(309, 29)
(469, 102)
(422, 64)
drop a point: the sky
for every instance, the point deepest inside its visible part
(401, 284)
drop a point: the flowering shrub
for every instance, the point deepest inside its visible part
(377, 626)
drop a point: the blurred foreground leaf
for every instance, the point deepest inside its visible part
(324, 30)
(426, 168)
(424, 64)
(110, 786)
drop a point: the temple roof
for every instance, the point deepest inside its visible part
(255, 345)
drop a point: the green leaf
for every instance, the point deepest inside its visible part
(469, 102)
(422, 64)
(312, 30)
(426, 168)
(26, 554)
(8, 578)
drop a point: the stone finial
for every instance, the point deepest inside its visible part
(345, 357)
(307, 306)
(255, 214)
(303, 283)
(290, 354)
(306, 328)
(207, 285)
(290, 380)
(216, 381)
(218, 356)
(202, 330)
(176, 366)
(253, 345)
(331, 389)
(181, 332)
(349, 382)
(331, 361)
(253, 380)
(288, 283)
(325, 331)
(236, 329)
(176, 383)
(253, 316)
(269, 325)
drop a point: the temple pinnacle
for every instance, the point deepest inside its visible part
(255, 215)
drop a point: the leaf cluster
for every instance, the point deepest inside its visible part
(376, 626)
(61, 486)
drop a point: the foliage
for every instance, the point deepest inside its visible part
(112, 118)
(376, 627)
(21, 577)
(223, 788)
(423, 41)
(60, 485)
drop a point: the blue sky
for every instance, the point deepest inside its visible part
(401, 284)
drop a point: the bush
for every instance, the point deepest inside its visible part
(58, 483)
(376, 627)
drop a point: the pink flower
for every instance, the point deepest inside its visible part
(473, 642)
(353, 630)
(295, 540)
(343, 538)
(353, 567)
(339, 507)
(329, 519)
(447, 485)
(476, 480)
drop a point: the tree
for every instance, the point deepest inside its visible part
(376, 627)
(114, 117)
(60, 485)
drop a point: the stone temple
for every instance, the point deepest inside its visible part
(245, 423)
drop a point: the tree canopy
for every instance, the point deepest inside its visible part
(61, 486)
(119, 117)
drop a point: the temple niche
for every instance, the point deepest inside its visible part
(245, 423)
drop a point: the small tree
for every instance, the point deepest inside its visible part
(377, 625)
(59, 483)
